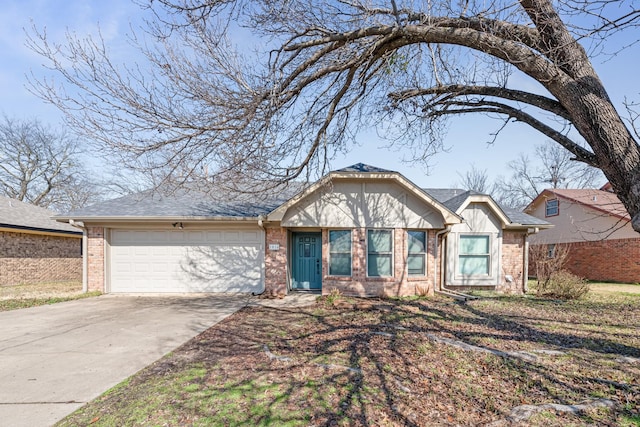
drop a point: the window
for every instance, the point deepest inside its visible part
(474, 256)
(551, 251)
(552, 208)
(379, 253)
(417, 244)
(340, 252)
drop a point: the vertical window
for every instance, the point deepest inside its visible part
(340, 252)
(379, 253)
(474, 258)
(417, 244)
(551, 251)
(551, 208)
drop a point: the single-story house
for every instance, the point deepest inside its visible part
(35, 248)
(361, 230)
(594, 227)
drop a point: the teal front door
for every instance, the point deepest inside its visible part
(307, 261)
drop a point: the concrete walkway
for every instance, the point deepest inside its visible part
(55, 358)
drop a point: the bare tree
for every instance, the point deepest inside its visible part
(551, 167)
(476, 180)
(42, 166)
(324, 68)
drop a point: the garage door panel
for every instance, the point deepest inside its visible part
(191, 261)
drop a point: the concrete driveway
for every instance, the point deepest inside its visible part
(54, 359)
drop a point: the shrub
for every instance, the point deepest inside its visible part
(562, 285)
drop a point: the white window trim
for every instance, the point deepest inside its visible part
(424, 254)
(546, 208)
(391, 230)
(490, 266)
(350, 253)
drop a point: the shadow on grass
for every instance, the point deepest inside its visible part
(377, 366)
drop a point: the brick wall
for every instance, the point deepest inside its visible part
(275, 262)
(615, 260)
(361, 285)
(95, 259)
(512, 262)
(35, 258)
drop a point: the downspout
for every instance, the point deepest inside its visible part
(261, 225)
(85, 257)
(525, 267)
(444, 232)
(443, 290)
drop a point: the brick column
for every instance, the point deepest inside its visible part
(275, 262)
(95, 259)
(512, 262)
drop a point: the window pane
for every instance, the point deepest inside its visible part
(340, 240)
(474, 245)
(473, 264)
(379, 241)
(379, 265)
(416, 241)
(415, 265)
(340, 265)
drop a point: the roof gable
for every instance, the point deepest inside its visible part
(457, 200)
(599, 200)
(366, 173)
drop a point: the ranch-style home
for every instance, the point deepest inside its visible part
(362, 230)
(34, 248)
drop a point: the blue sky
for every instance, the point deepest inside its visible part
(467, 136)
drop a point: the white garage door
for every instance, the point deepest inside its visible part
(186, 261)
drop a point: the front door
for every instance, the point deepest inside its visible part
(307, 261)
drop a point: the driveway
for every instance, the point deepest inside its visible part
(55, 358)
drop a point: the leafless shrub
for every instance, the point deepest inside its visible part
(562, 285)
(547, 259)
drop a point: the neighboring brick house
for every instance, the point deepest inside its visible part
(361, 230)
(595, 228)
(35, 248)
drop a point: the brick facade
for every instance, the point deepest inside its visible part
(512, 263)
(616, 260)
(358, 284)
(95, 256)
(36, 258)
(275, 262)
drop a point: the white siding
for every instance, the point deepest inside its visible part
(157, 261)
(357, 204)
(479, 219)
(578, 223)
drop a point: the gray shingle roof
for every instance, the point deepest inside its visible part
(25, 216)
(453, 198)
(523, 218)
(185, 202)
(361, 167)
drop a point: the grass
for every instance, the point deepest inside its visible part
(398, 375)
(31, 295)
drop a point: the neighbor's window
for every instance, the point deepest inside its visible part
(379, 253)
(551, 208)
(417, 244)
(474, 257)
(340, 252)
(551, 251)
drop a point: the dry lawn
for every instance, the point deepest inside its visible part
(417, 362)
(29, 295)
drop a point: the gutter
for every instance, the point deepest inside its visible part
(443, 233)
(85, 255)
(264, 285)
